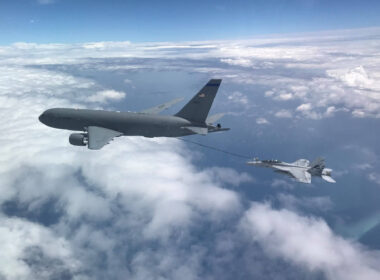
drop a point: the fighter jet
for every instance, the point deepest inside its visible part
(98, 127)
(301, 170)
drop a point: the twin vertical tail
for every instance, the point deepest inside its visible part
(317, 167)
(197, 109)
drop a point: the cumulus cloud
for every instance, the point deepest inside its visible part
(262, 121)
(137, 192)
(304, 107)
(330, 111)
(106, 96)
(238, 98)
(310, 243)
(306, 110)
(143, 208)
(284, 96)
(356, 77)
(238, 61)
(320, 74)
(24, 244)
(283, 114)
(230, 176)
(279, 183)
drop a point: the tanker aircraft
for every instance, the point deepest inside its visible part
(98, 127)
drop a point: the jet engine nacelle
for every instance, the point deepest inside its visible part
(78, 139)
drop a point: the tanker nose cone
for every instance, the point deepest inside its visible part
(42, 118)
(45, 117)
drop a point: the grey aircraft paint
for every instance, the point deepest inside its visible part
(301, 170)
(100, 127)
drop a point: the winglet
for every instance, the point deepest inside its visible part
(159, 108)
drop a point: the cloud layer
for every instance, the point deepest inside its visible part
(143, 208)
(310, 243)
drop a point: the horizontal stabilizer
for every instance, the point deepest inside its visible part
(214, 118)
(197, 130)
(328, 179)
(216, 129)
(159, 108)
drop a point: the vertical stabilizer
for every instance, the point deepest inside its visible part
(317, 166)
(319, 163)
(198, 107)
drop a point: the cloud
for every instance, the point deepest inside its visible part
(291, 202)
(137, 192)
(306, 110)
(239, 62)
(269, 93)
(374, 177)
(309, 69)
(24, 244)
(308, 242)
(229, 176)
(145, 208)
(330, 111)
(106, 96)
(304, 107)
(362, 166)
(261, 121)
(238, 98)
(356, 77)
(282, 183)
(284, 96)
(283, 114)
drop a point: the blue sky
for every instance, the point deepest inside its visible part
(69, 21)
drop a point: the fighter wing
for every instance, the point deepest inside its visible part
(100, 136)
(159, 108)
(302, 162)
(300, 174)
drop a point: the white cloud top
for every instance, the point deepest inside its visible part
(140, 208)
(106, 95)
(309, 242)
